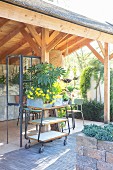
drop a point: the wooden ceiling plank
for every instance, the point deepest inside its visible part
(33, 45)
(53, 35)
(12, 49)
(101, 47)
(21, 51)
(34, 33)
(56, 40)
(11, 35)
(95, 53)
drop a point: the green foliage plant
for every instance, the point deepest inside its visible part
(44, 82)
(70, 88)
(100, 133)
(85, 81)
(92, 110)
(2, 79)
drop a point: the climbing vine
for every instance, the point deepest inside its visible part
(85, 81)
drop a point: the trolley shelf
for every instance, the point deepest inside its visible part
(48, 136)
(49, 120)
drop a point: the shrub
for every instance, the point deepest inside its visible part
(101, 133)
(92, 110)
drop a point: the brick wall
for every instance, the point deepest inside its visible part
(93, 154)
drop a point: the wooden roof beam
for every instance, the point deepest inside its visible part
(29, 39)
(56, 40)
(95, 53)
(78, 45)
(76, 40)
(24, 15)
(21, 51)
(65, 40)
(11, 35)
(34, 33)
(3, 22)
(52, 36)
(111, 56)
(101, 47)
(11, 50)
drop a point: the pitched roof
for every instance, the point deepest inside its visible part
(61, 13)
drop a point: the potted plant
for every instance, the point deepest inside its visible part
(44, 87)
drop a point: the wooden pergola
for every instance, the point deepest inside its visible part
(24, 29)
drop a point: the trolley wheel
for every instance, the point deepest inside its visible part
(65, 142)
(41, 150)
(27, 146)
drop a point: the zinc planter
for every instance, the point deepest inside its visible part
(37, 103)
(58, 102)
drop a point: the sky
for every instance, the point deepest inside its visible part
(100, 10)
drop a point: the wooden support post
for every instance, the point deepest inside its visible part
(45, 37)
(106, 86)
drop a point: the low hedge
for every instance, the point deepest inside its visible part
(101, 133)
(92, 110)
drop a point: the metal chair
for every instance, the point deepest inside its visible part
(76, 107)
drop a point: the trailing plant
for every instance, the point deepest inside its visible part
(101, 133)
(85, 81)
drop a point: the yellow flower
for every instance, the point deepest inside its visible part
(58, 96)
(28, 96)
(47, 96)
(30, 93)
(41, 91)
(32, 88)
(37, 88)
(47, 90)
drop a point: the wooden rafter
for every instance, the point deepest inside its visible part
(29, 39)
(34, 33)
(52, 36)
(95, 53)
(74, 41)
(65, 40)
(21, 51)
(79, 45)
(3, 22)
(111, 56)
(11, 35)
(11, 50)
(56, 40)
(101, 47)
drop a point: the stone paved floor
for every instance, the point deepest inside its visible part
(56, 156)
